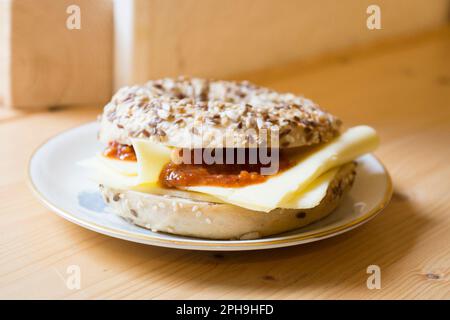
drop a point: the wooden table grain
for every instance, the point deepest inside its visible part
(402, 89)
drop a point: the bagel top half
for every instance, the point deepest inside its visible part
(187, 112)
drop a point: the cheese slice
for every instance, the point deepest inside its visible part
(128, 168)
(313, 194)
(112, 175)
(151, 158)
(300, 187)
(101, 171)
(285, 186)
(155, 189)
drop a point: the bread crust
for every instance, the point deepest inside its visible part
(187, 112)
(220, 221)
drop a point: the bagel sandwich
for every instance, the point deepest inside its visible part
(223, 159)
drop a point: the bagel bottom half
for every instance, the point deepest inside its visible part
(209, 220)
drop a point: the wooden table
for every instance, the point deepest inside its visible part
(402, 89)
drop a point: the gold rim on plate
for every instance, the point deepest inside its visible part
(126, 235)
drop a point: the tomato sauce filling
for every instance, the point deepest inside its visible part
(119, 151)
(221, 175)
(175, 175)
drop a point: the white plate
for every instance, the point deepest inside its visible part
(64, 187)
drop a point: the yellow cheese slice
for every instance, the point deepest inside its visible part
(151, 157)
(113, 175)
(154, 189)
(286, 185)
(300, 187)
(128, 168)
(109, 175)
(313, 194)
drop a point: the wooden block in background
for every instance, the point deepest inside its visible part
(223, 39)
(43, 63)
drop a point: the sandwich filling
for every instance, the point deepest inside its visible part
(180, 174)
(301, 181)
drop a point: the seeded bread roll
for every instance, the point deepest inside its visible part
(220, 221)
(192, 112)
